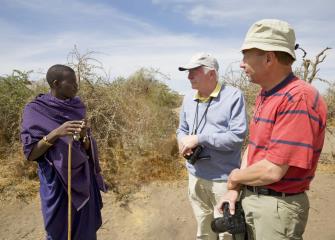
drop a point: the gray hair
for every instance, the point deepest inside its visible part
(207, 69)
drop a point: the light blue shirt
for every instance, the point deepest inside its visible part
(221, 132)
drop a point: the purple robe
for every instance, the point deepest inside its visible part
(40, 117)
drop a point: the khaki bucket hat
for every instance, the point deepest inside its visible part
(271, 35)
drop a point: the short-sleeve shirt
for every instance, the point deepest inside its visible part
(288, 128)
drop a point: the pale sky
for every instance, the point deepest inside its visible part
(36, 34)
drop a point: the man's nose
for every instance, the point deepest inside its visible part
(190, 75)
(242, 64)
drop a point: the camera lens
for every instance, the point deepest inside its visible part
(218, 225)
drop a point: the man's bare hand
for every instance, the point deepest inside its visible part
(187, 143)
(69, 128)
(231, 197)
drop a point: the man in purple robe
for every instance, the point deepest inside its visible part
(49, 123)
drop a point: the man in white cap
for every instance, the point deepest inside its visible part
(286, 137)
(210, 134)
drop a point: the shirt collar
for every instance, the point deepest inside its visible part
(279, 85)
(214, 94)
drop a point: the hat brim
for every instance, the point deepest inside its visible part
(267, 47)
(189, 66)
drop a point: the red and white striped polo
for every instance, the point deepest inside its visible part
(288, 127)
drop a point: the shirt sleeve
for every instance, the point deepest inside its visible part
(231, 139)
(292, 136)
(183, 128)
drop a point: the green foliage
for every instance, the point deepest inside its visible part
(14, 95)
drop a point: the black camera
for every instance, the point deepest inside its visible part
(234, 224)
(195, 156)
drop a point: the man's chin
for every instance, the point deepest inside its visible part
(250, 79)
(194, 87)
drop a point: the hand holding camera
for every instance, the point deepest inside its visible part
(234, 224)
(192, 158)
(190, 149)
(187, 143)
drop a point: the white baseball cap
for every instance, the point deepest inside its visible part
(271, 35)
(201, 59)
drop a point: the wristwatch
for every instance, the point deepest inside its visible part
(46, 142)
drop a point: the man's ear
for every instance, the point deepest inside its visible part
(213, 74)
(270, 57)
(54, 84)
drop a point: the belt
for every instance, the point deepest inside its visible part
(269, 192)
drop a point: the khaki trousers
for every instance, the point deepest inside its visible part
(204, 195)
(275, 218)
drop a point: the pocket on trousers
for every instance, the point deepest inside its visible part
(293, 214)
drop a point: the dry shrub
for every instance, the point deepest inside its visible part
(330, 100)
(132, 119)
(14, 95)
(134, 124)
(238, 79)
(17, 177)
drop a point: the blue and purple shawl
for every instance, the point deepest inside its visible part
(44, 114)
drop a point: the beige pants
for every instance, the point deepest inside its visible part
(204, 195)
(275, 218)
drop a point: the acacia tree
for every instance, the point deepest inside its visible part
(310, 68)
(308, 71)
(86, 66)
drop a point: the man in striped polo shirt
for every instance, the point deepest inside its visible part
(286, 137)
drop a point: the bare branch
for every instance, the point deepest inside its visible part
(324, 80)
(306, 63)
(310, 68)
(323, 58)
(305, 53)
(86, 66)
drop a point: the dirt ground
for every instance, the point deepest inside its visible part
(160, 211)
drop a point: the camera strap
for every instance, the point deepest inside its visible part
(196, 125)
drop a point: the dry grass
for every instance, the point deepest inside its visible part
(327, 168)
(132, 119)
(17, 178)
